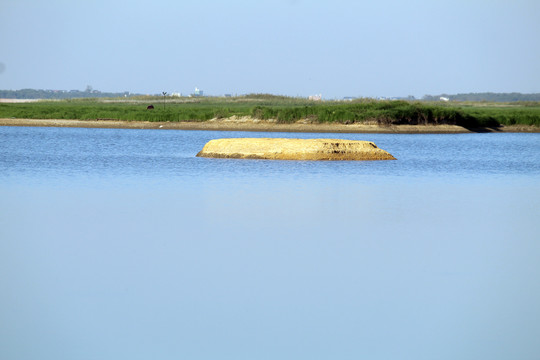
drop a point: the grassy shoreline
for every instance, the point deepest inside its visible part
(281, 110)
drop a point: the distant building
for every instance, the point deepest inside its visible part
(315, 97)
(198, 92)
(442, 98)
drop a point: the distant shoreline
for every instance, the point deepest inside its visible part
(248, 124)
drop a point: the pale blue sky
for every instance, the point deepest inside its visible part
(291, 47)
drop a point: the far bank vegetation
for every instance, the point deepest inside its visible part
(282, 110)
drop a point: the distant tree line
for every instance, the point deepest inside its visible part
(488, 97)
(90, 93)
(59, 94)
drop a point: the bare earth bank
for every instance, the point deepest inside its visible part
(249, 124)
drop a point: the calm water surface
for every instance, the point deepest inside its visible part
(121, 244)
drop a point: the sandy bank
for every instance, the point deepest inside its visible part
(293, 149)
(248, 124)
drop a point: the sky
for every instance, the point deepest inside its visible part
(336, 48)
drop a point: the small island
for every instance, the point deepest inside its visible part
(293, 149)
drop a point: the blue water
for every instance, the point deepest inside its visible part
(121, 244)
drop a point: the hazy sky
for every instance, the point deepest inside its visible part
(290, 47)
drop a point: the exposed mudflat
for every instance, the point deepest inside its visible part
(250, 124)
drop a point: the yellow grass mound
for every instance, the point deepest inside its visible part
(294, 149)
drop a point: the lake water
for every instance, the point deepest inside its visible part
(121, 244)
